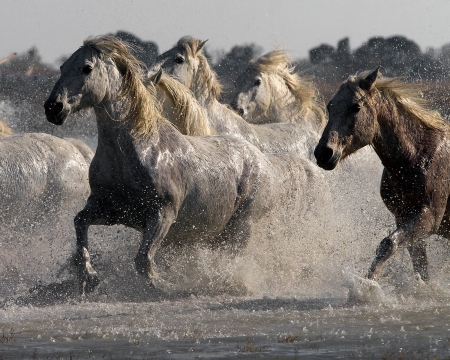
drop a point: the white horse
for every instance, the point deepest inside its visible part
(147, 175)
(270, 91)
(188, 65)
(40, 173)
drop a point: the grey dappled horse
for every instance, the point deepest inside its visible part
(147, 175)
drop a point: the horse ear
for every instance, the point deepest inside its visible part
(367, 83)
(200, 47)
(155, 78)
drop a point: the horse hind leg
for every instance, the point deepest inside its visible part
(418, 253)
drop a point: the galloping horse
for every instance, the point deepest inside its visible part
(413, 145)
(270, 91)
(188, 65)
(147, 175)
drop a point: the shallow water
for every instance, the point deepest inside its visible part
(294, 291)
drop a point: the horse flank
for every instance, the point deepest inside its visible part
(206, 83)
(192, 119)
(406, 96)
(303, 89)
(144, 112)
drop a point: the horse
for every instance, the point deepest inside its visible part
(40, 173)
(148, 176)
(5, 130)
(412, 142)
(269, 90)
(188, 65)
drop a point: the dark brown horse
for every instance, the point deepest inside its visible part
(413, 145)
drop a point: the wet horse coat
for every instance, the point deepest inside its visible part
(412, 142)
(147, 175)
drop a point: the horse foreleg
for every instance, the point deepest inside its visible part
(409, 234)
(418, 253)
(87, 277)
(156, 229)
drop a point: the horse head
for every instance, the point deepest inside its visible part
(351, 120)
(81, 84)
(188, 65)
(252, 98)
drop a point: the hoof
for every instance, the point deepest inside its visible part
(87, 277)
(91, 283)
(143, 266)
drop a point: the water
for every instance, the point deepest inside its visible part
(295, 291)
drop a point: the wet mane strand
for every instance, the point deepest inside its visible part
(405, 95)
(308, 96)
(143, 110)
(206, 82)
(5, 130)
(192, 117)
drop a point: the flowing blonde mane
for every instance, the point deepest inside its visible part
(303, 89)
(143, 111)
(405, 95)
(206, 78)
(5, 130)
(191, 115)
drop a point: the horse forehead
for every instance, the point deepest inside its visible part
(343, 96)
(247, 78)
(78, 59)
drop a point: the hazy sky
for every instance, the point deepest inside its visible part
(58, 27)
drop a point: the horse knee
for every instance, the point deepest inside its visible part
(386, 248)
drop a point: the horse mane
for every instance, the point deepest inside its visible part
(206, 78)
(406, 95)
(191, 115)
(143, 111)
(5, 130)
(303, 89)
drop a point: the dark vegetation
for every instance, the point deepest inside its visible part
(25, 81)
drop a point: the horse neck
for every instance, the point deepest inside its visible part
(168, 105)
(401, 140)
(226, 122)
(203, 81)
(115, 137)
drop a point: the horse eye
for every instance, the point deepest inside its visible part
(257, 82)
(355, 108)
(179, 59)
(87, 69)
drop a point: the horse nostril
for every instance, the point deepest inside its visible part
(323, 154)
(54, 108)
(240, 111)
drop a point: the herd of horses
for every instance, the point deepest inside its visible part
(179, 166)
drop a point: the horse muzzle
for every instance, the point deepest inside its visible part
(56, 112)
(326, 157)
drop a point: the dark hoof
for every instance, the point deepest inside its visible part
(142, 265)
(91, 284)
(87, 283)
